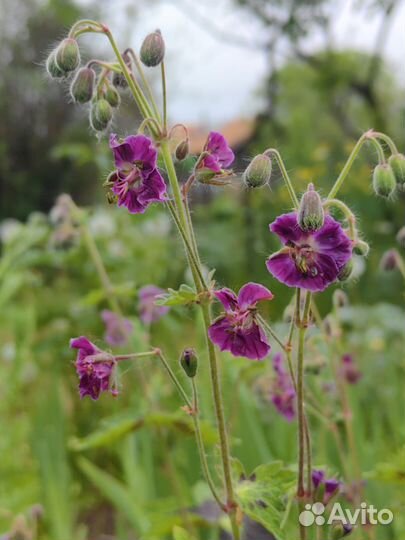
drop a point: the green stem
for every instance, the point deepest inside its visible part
(201, 449)
(284, 173)
(74, 32)
(173, 377)
(272, 332)
(351, 218)
(388, 141)
(133, 356)
(164, 94)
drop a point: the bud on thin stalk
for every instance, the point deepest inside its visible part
(182, 150)
(112, 96)
(52, 67)
(389, 261)
(397, 163)
(346, 271)
(82, 86)
(67, 55)
(100, 115)
(384, 180)
(361, 248)
(311, 215)
(153, 49)
(258, 172)
(189, 362)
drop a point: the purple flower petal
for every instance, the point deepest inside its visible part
(318, 477)
(251, 293)
(251, 343)
(133, 148)
(227, 298)
(118, 329)
(287, 228)
(149, 312)
(153, 188)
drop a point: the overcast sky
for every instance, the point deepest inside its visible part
(210, 80)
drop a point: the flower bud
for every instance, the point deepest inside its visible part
(346, 271)
(52, 67)
(67, 55)
(100, 115)
(384, 181)
(340, 299)
(389, 261)
(361, 248)
(182, 150)
(397, 163)
(340, 530)
(153, 49)
(401, 237)
(310, 212)
(119, 81)
(112, 96)
(258, 172)
(188, 362)
(82, 86)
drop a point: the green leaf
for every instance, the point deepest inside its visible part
(391, 471)
(261, 495)
(116, 428)
(184, 296)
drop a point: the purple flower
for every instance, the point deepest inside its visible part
(220, 156)
(94, 368)
(149, 312)
(349, 371)
(118, 329)
(136, 181)
(282, 390)
(328, 486)
(309, 259)
(237, 330)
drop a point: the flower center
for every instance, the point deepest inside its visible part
(304, 259)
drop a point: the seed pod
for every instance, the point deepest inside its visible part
(389, 260)
(112, 96)
(188, 362)
(397, 163)
(52, 67)
(401, 237)
(100, 115)
(310, 212)
(258, 172)
(361, 248)
(82, 86)
(182, 150)
(340, 299)
(346, 271)
(153, 49)
(67, 55)
(384, 180)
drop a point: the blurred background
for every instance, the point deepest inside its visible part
(305, 77)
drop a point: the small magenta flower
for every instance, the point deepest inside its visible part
(349, 371)
(310, 260)
(219, 154)
(118, 329)
(328, 487)
(282, 390)
(149, 312)
(94, 367)
(238, 330)
(136, 182)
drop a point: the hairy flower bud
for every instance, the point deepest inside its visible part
(189, 362)
(397, 163)
(340, 530)
(67, 55)
(389, 260)
(310, 212)
(52, 67)
(258, 172)
(361, 248)
(384, 180)
(100, 115)
(340, 299)
(153, 49)
(112, 96)
(182, 150)
(82, 86)
(401, 237)
(346, 271)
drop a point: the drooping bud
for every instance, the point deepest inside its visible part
(389, 260)
(346, 271)
(82, 86)
(182, 150)
(361, 248)
(118, 79)
(189, 362)
(100, 115)
(112, 96)
(310, 212)
(340, 530)
(384, 180)
(397, 162)
(401, 237)
(258, 172)
(67, 55)
(153, 49)
(340, 299)
(52, 67)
